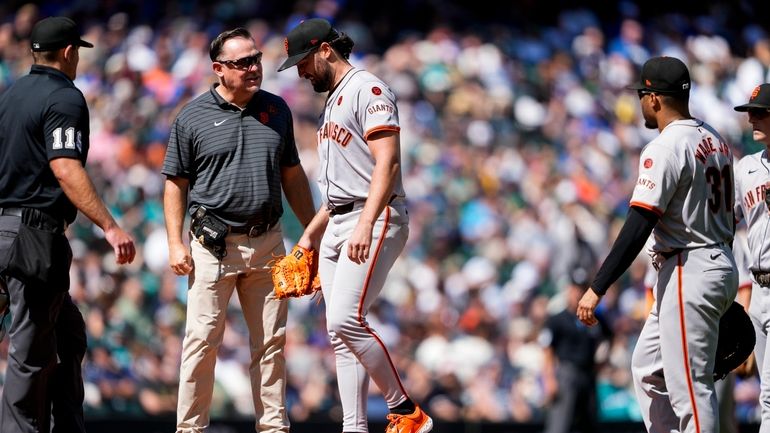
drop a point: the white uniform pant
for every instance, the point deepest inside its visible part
(244, 269)
(349, 289)
(759, 311)
(673, 361)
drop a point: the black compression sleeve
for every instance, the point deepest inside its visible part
(637, 228)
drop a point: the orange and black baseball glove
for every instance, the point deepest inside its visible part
(296, 274)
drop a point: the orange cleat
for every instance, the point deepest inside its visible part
(417, 422)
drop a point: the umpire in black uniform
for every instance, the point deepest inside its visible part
(569, 370)
(44, 129)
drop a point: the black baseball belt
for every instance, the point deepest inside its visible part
(36, 218)
(762, 278)
(348, 207)
(255, 230)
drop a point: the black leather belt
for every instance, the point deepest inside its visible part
(343, 209)
(762, 278)
(11, 211)
(348, 207)
(36, 218)
(254, 230)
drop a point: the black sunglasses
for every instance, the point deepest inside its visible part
(243, 62)
(641, 93)
(758, 113)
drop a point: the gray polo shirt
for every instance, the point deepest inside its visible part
(233, 157)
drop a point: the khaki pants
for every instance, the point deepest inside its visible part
(245, 268)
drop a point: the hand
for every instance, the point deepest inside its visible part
(587, 306)
(179, 259)
(306, 243)
(360, 242)
(310, 240)
(122, 244)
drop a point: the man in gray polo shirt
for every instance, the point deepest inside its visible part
(233, 149)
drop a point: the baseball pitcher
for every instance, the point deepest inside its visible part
(363, 226)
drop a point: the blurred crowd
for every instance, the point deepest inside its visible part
(520, 150)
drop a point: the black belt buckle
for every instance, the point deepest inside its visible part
(762, 278)
(257, 230)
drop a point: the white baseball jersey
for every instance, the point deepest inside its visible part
(360, 106)
(751, 173)
(686, 177)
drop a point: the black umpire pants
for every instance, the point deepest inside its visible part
(575, 407)
(47, 332)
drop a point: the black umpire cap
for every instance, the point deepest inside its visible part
(760, 99)
(306, 37)
(52, 33)
(667, 75)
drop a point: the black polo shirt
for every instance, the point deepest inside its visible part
(574, 342)
(43, 116)
(233, 157)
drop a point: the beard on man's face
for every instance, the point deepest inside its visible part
(650, 122)
(323, 81)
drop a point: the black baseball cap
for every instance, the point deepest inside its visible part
(760, 98)
(666, 75)
(306, 37)
(53, 33)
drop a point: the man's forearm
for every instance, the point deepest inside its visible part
(381, 189)
(174, 204)
(314, 231)
(630, 241)
(79, 189)
(297, 191)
